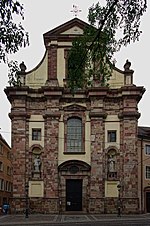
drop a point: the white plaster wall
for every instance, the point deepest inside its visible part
(60, 66)
(61, 62)
(38, 76)
(116, 80)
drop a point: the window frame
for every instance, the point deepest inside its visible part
(9, 170)
(6, 185)
(82, 118)
(1, 166)
(110, 138)
(147, 172)
(147, 152)
(36, 133)
(1, 149)
(74, 126)
(2, 184)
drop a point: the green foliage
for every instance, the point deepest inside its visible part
(13, 75)
(12, 35)
(112, 26)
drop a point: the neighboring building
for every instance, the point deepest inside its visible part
(74, 151)
(5, 172)
(144, 168)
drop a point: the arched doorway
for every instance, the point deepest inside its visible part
(74, 185)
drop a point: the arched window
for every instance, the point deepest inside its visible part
(74, 135)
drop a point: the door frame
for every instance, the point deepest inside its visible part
(79, 183)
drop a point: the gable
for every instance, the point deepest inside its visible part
(66, 30)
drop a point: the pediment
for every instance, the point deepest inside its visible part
(74, 107)
(74, 166)
(73, 31)
(70, 28)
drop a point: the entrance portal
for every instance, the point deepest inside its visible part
(73, 195)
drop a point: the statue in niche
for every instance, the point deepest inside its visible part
(111, 164)
(37, 163)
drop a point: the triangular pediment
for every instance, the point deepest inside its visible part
(74, 107)
(70, 28)
(73, 31)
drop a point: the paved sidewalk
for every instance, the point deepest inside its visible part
(52, 219)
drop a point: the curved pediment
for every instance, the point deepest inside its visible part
(74, 166)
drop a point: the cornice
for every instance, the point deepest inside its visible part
(55, 114)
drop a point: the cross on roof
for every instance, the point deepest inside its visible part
(76, 10)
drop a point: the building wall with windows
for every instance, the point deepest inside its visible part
(144, 168)
(5, 172)
(70, 152)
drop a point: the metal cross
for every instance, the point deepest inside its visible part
(76, 10)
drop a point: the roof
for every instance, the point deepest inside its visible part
(58, 33)
(4, 141)
(144, 132)
(61, 28)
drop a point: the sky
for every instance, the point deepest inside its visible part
(44, 15)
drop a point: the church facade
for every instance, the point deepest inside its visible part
(74, 153)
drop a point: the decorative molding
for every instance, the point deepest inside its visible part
(19, 115)
(74, 153)
(52, 114)
(74, 107)
(74, 164)
(129, 114)
(111, 148)
(98, 115)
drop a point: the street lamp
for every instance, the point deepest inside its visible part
(119, 200)
(26, 210)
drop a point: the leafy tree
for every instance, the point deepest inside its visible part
(12, 35)
(13, 74)
(112, 26)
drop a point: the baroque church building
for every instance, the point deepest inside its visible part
(74, 153)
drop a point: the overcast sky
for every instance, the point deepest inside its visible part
(44, 15)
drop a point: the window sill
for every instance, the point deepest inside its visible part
(74, 153)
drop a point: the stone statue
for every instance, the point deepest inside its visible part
(127, 65)
(37, 164)
(111, 164)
